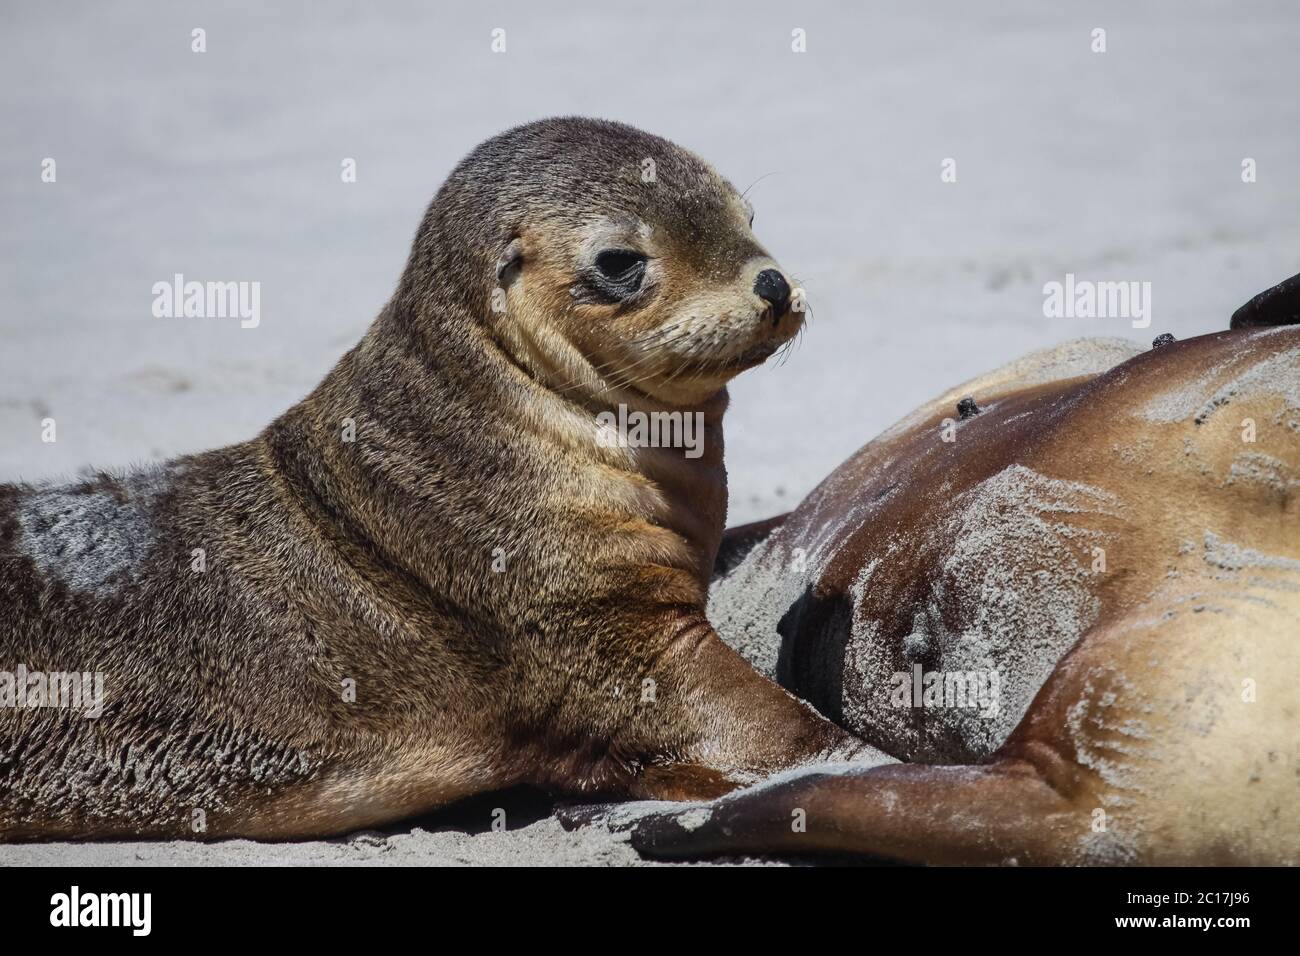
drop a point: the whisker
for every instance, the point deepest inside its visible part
(657, 333)
(756, 182)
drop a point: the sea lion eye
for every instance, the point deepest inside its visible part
(620, 271)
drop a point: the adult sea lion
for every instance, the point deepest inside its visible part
(1073, 610)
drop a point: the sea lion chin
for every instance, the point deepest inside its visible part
(428, 579)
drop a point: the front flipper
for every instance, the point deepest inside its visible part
(1279, 305)
(617, 817)
(998, 813)
(737, 542)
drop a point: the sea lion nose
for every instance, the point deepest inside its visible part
(771, 287)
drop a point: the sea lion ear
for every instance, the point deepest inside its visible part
(511, 261)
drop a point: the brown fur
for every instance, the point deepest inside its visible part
(372, 561)
(1163, 726)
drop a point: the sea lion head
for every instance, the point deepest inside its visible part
(606, 261)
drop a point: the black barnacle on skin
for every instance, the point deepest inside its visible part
(967, 408)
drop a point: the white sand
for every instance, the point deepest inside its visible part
(543, 843)
(1124, 165)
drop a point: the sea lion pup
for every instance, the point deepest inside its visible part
(1073, 608)
(430, 578)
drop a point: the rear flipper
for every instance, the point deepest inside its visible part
(1279, 305)
(1003, 812)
